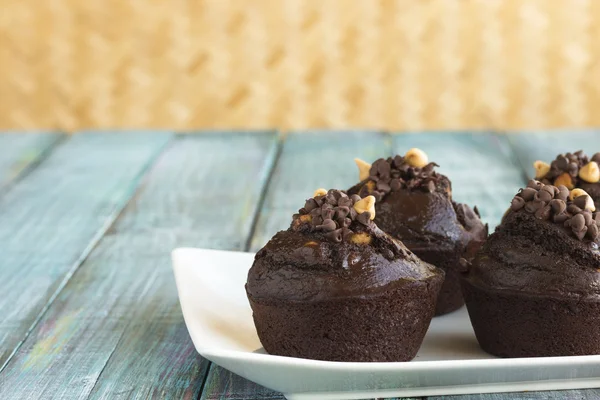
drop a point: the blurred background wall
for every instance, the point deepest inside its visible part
(292, 64)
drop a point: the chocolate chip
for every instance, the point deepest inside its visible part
(431, 186)
(528, 193)
(364, 218)
(561, 218)
(572, 169)
(563, 193)
(335, 236)
(355, 198)
(558, 206)
(346, 232)
(573, 209)
(353, 213)
(395, 185)
(543, 195)
(580, 233)
(383, 169)
(517, 203)
(476, 211)
(316, 221)
(383, 187)
(327, 213)
(341, 212)
(398, 161)
(347, 222)
(331, 199)
(345, 202)
(580, 201)
(533, 206)
(577, 222)
(592, 231)
(596, 158)
(310, 204)
(562, 162)
(587, 216)
(534, 184)
(543, 213)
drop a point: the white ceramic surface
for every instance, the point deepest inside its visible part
(219, 320)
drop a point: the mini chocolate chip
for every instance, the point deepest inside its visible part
(395, 185)
(341, 211)
(558, 206)
(580, 201)
(316, 221)
(319, 200)
(577, 222)
(345, 202)
(543, 213)
(534, 184)
(561, 218)
(562, 162)
(353, 213)
(563, 193)
(383, 187)
(580, 233)
(328, 225)
(587, 216)
(330, 199)
(533, 206)
(347, 222)
(573, 209)
(517, 203)
(596, 158)
(374, 178)
(346, 232)
(528, 193)
(384, 169)
(327, 213)
(302, 211)
(543, 195)
(315, 212)
(335, 236)
(364, 218)
(573, 168)
(476, 211)
(592, 231)
(431, 186)
(355, 198)
(378, 196)
(310, 204)
(567, 223)
(398, 161)
(548, 188)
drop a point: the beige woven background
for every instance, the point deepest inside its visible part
(74, 64)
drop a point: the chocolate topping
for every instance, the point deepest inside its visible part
(393, 174)
(333, 214)
(569, 163)
(551, 203)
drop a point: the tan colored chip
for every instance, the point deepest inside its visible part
(363, 169)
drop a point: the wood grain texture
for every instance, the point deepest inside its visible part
(479, 165)
(51, 219)
(19, 152)
(308, 160)
(587, 394)
(116, 331)
(531, 146)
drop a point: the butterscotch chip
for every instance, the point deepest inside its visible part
(541, 169)
(363, 169)
(590, 172)
(361, 238)
(416, 158)
(565, 180)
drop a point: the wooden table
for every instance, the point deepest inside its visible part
(89, 307)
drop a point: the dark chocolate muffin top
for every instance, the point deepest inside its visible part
(333, 249)
(414, 203)
(547, 245)
(573, 170)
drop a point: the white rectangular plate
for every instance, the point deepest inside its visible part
(219, 320)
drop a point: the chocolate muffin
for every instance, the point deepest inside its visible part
(573, 170)
(335, 287)
(534, 287)
(414, 204)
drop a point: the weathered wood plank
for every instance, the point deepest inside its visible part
(479, 165)
(308, 161)
(116, 331)
(19, 152)
(588, 394)
(51, 219)
(531, 146)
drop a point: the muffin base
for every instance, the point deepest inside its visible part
(450, 298)
(511, 324)
(387, 327)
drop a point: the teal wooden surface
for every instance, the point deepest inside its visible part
(89, 299)
(20, 152)
(531, 146)
(50, 220)
(116, 331)
(482, 171)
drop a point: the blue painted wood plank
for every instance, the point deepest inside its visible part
(531, 146)
(51, 219)
(482, 171)
(116, 330)
(19, 152)
(308, 160)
